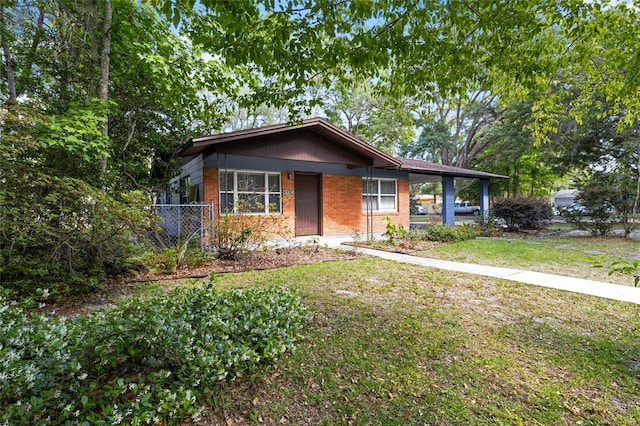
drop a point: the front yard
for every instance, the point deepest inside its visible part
(384, 344)
(398, 344)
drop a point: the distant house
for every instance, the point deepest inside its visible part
(564, 198)
(319, 179)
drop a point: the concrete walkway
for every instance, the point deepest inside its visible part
(618, 292)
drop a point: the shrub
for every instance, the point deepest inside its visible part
(597, 201)
(394, 232)
(523, 212)
(449, 234)
(234, 233)
(65, 235)
(147, 360)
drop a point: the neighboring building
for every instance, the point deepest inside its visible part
(319, 179)
(564, 198)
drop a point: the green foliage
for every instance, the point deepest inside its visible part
(486, 223)
(146, 361)
(63, 235)
(394, 232)
(170, 259)
(620, 266)
(451, 234)
(523, 212)
(234, 233)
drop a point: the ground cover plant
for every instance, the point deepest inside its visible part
(149, 360)
(398, 344)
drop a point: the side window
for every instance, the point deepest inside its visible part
(379, 195)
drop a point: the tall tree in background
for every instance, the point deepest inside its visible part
(384, 122)
(449, 129)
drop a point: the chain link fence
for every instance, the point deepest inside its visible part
(181, 224)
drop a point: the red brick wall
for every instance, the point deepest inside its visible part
(341, 204)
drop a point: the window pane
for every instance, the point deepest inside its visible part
(274, 183)
(251, 203)
(274, 203)
(387, 187)
(251, 182)
(387, 203)
(226, 181)
(369, 203)
(226, 202)
(369, 186)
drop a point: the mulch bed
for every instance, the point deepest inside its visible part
(252, 261)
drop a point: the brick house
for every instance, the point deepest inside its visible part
(314, 177)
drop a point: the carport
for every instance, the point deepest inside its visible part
(425, 172)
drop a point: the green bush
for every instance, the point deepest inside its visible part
(597, 201)
(449, 234)
(523, 212)
(394, 232)
(146, 361)
(65, 235)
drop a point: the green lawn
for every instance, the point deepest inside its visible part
(395, 344)
(570, 256)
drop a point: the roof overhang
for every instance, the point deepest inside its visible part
(424, 171)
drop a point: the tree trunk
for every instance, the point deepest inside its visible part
(10, 62)
(103, 92)
(37, 36)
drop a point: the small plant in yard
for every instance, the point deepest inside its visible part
(394, 232)
(235, 232)
(621, 266)
(449, 234)
(147, 361)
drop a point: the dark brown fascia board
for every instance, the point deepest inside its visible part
(427, 168)
(327, 129)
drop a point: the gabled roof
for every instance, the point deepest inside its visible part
(316, 125)
(350, 145)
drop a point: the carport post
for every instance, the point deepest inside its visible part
(484, 197)
(448, 199)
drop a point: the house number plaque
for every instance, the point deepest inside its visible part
(288, 192)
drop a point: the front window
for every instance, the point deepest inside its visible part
(379, 195)
(249, 192)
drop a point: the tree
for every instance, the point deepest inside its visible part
(87, 89)
(423, 49)
(373, 117)
(511, 149)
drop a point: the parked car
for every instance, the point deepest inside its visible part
(421, 210)
(575, 208)
(465, 208)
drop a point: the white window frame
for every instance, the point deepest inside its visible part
(266, 193)
(375, 184)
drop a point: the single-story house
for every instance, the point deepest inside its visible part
(564, 198)
(317, 178)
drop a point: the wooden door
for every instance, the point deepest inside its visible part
(307, 196)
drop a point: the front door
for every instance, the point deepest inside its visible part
(307, 196)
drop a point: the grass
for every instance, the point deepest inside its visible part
(395, 344)
(569, 256)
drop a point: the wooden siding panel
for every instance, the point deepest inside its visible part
(302, 145)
